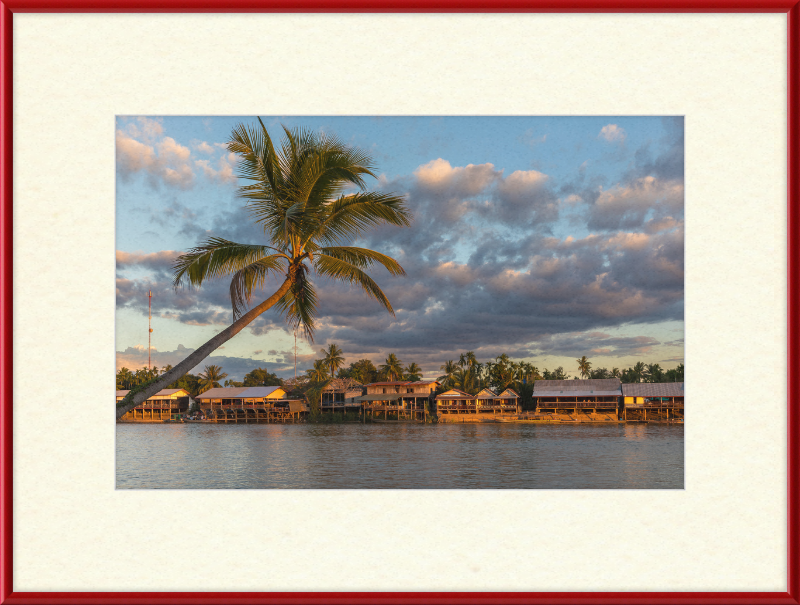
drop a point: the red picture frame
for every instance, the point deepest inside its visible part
(790, 7)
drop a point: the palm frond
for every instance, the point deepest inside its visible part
(299, 304)
(215, 258)
(344, 271)
(351, 215)
(250, 278)
(363, 258)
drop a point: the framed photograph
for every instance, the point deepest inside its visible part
(550, 156)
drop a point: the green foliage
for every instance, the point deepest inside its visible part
(392, 369)
(296, 193)
(261, 377)
(362, 370)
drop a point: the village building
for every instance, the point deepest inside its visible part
(250, 404)
(164, 405)
(456, 401)
(653, 402)
(400, 398)
(340, 395)
(486, 401)
(592, 400)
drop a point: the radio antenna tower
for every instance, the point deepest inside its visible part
(149, 324)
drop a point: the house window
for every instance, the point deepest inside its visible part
(384, 390)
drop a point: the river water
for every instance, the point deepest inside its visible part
(374, 456)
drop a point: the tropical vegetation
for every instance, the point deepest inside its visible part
(299, 193)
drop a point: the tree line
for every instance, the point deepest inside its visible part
(211, 377)
(466, 374)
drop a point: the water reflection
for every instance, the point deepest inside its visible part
(350, 456)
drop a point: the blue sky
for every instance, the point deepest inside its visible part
(546, 238)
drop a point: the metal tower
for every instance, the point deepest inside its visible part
(149, 324)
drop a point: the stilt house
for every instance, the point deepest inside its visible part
(573, 398)
(653, 402)
(161, 406)
(400, 397)
(249, 404)
(341, 395)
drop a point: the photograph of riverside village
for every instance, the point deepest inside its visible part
(365, 296)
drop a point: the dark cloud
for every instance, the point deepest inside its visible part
(484, 272)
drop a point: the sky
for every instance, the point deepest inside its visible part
(545, 238)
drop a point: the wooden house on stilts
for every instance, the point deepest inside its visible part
(398, 400)
(593, 400)
(486, 404)
(164, 405)
(653, 402)
(340, 396)
(250, 404)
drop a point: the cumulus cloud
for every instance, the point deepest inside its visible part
(169, 166)
(223, 173)
(143, 148)
(630, 204)
(612, 133)
(490, 266)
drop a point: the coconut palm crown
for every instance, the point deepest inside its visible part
(310, 198)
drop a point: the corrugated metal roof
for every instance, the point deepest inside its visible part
(577, 394)
(222, 393)
(487, 393)
(593, 384)
(161, 393)
(258, 392)
(238, 393)
(423, 382)
(653, 389)
(508, 394)
(455, 394)
(387, 384)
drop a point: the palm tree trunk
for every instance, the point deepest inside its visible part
(204, 350)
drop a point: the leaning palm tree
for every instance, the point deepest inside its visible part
(584, 365)
(393, 368)
(211, 378)
(297, 195)
(333, 358)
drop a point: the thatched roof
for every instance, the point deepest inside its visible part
(653, 389)
(343, 385)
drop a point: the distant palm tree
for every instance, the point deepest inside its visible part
(449, 369)
(584, 365)
(125, 378)
(297, 195)
(413, 372)
(319, 373)
(333, 358)
(211, 378)
(393, 368)
(653, 372)
(615, 372)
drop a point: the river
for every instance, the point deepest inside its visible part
(374, 456)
